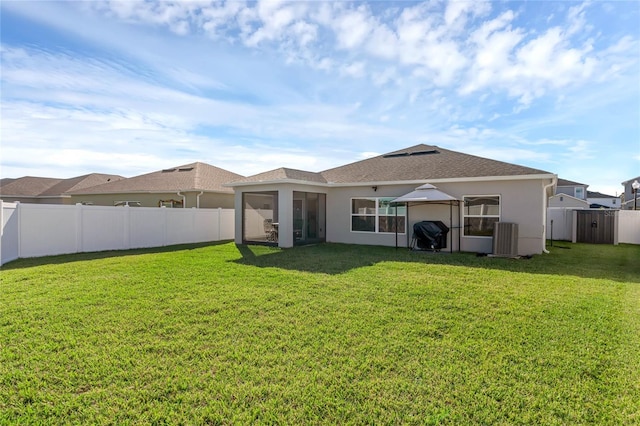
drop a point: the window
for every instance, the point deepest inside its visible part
(480, 214)
(579, 192)
(376, 215)
(170, 203)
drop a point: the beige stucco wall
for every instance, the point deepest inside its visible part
(36, 200)
(207, 200)
(521, 201)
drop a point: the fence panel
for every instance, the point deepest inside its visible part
(32, 230)
(9, 236)
(47, 229)
(103, 228)
(227, 224)
(562, 224)
(181, 226)
(629, 226)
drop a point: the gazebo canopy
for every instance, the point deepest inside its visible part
(425, 194)
(428, 193)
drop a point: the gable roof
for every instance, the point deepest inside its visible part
(423, 162)
(591, 194)
(32, 186)
(565, 182)
(417, 163)
(28, 186)
(285, 174)
(80, 182)
(189, 177)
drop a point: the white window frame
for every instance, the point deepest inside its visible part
(376, 215)
(580, 190)
(464, 215)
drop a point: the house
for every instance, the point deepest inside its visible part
(575, 189)
(40, 190)
(354, 203)
(631, 198)
(598, 200)
(191, 185)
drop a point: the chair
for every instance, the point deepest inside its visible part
(270, 230)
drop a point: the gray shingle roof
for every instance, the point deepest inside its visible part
(31, 186)
(28, 186)
(591, 194)
(423, 162)
(80, 182)
(284, 174)
(189, 177)
(565, 182)
(416, 163)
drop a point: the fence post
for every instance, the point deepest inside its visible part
(166, 225)
(616, 227)
(126, 211)
(19, 213)
(78, 227)
(1, 228)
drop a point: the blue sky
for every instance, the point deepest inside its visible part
(130, 87)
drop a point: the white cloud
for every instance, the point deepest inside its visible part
(355, 69)
(352, 27)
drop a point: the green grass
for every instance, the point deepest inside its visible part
(327, 334)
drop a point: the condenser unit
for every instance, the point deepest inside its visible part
(505, 239)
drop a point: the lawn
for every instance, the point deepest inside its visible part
(326, 334)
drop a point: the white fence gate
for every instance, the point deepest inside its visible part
(32, 230)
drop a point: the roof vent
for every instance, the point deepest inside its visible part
(168, 170)
(406, 154)
(185, 169)
(425, 152)
(396, 154)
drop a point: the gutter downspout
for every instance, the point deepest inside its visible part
(544, 213)
(184, 199)
(198, 199)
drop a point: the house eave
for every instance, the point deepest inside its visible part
(277, 182)
(163, 191)
(397, 182)
(448, 180)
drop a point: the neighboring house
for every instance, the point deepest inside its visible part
(353, 203)
(39, 190)
(598, 200)
(628, 194)
(575, 189)
(565, 201)
(191, 185)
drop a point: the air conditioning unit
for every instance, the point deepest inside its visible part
(505, 239)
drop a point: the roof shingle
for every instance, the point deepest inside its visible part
(189, 177)
(417, 163)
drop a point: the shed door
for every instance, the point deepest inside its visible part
(595, 227)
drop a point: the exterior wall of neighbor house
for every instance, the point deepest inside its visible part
(612, 203)
(36, 200)
(207, 200)
(571, 190)
(521, 202)
(567, 201)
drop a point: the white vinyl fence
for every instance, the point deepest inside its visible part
(33, 230)
(627, 226)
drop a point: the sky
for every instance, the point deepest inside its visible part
(131, 87)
